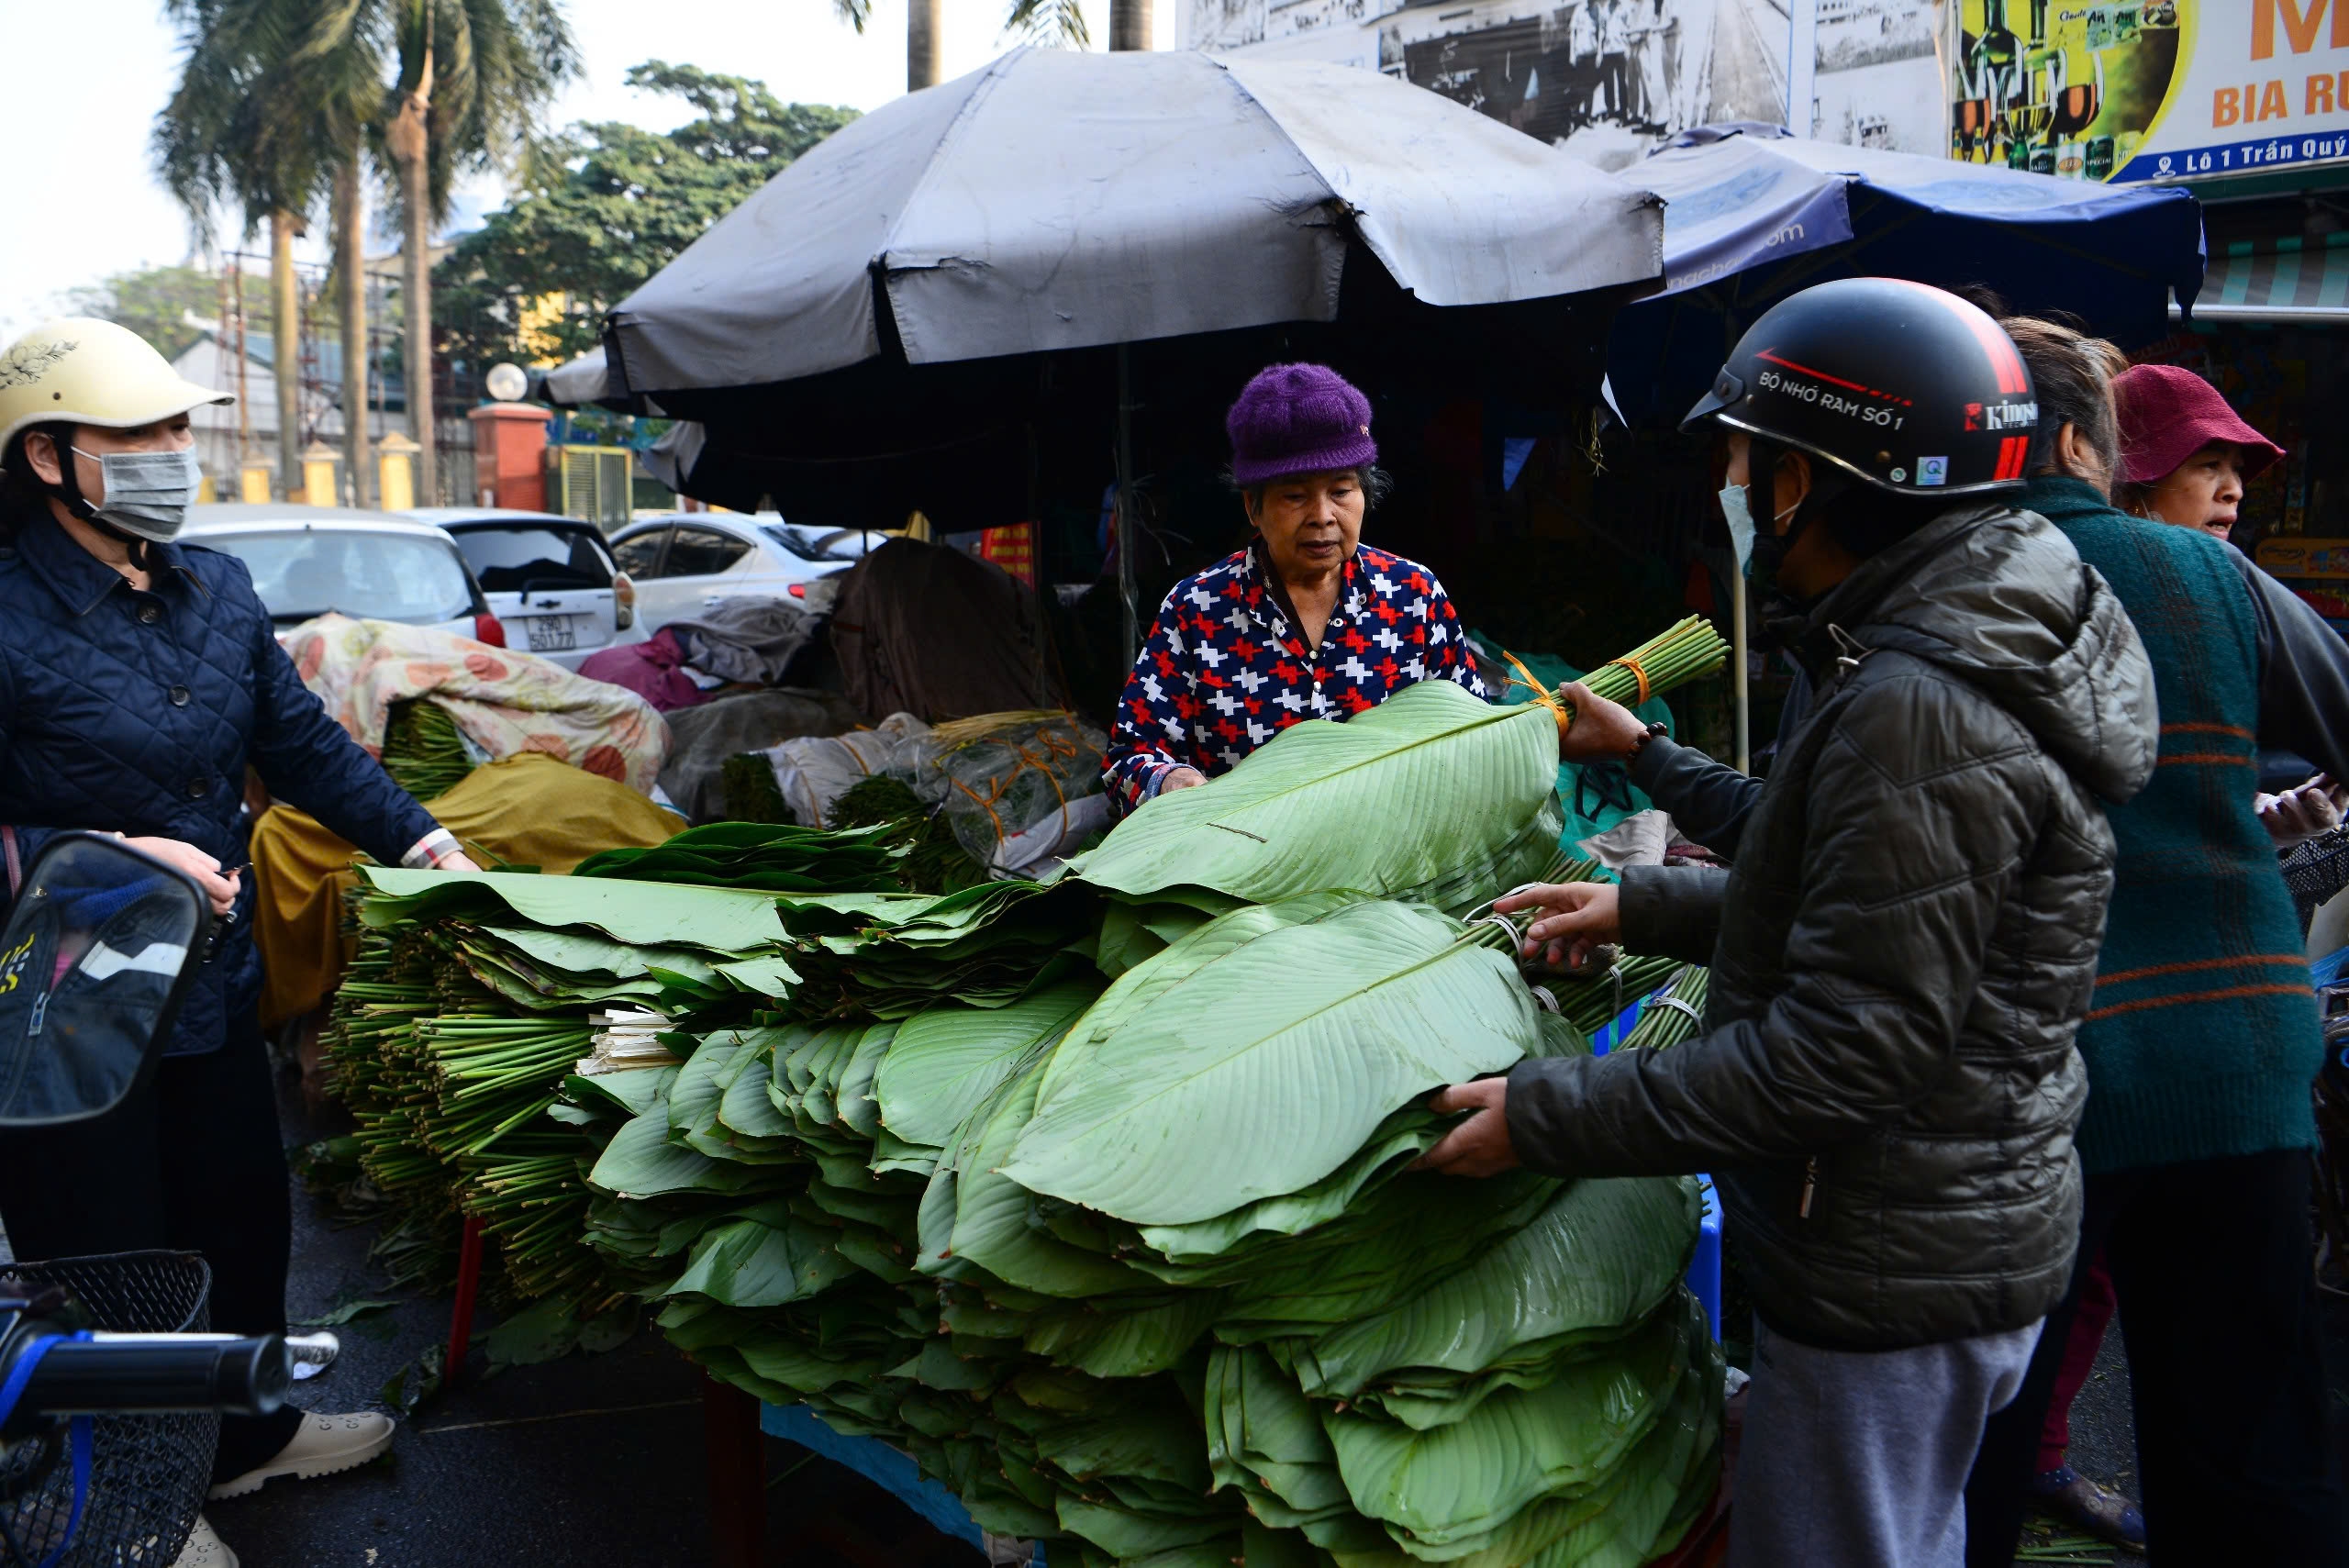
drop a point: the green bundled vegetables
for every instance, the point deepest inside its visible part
(423, 750)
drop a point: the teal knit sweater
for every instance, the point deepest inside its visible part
(2201, 1039)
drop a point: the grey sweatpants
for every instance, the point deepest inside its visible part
(1858, 1459)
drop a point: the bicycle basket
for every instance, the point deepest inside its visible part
(148, 1474)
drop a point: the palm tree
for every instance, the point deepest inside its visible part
(1129, 24)
(232, 133)
(473, 77)
(280, 95)
(1057, 22)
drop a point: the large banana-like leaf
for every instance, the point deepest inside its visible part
(945, 1062)
(1384, 804)
(1631, 1515)
(974, 1217)
(762, 1259)
(1604, 1253)
(1255, 1056)
(1456, 1485)
(641, 914)
(1404, 1136)
(641, 1161)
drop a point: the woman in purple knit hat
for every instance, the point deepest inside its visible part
(1306, 622)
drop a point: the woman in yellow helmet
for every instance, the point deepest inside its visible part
(139, 678)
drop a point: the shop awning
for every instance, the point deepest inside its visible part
(1753, 215)
(2285, 280)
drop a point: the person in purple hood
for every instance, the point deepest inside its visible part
(1305, 622)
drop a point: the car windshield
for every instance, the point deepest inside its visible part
(366, 574)
(517, 557)
(816, 544)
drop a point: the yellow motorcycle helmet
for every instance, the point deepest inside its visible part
(85, 372)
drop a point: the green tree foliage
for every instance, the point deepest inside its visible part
(155, 303)
(609, 204)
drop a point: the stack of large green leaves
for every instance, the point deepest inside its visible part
(458, 1024)
(772, 857)
(1097, 1198)
(1144, 1270)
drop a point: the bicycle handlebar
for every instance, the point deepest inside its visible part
(160, 1373)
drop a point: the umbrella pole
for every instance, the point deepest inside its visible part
(1127, 528)
(1737, 658)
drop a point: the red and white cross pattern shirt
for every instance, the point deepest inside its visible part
(1224, 670)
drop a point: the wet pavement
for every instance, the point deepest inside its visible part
(594, 1460)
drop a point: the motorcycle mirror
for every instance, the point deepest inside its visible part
(100, 944)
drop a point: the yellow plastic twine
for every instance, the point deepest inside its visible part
(1633, 666)
(1053, 745)
(1543, 694)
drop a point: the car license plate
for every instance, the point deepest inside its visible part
(550, 634)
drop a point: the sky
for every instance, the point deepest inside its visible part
(84, 202)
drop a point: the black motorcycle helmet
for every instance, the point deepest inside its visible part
(1902, 387)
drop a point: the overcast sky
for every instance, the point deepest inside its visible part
(83, 202)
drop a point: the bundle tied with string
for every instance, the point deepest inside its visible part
(1015, 787)
(1688, 651)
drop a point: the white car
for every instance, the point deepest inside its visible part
(550, 580)
(685, 562)
(306, 561)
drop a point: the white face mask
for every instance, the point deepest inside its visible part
(148, 493)
(1739, 512)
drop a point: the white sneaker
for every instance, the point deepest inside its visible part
(204, 1549)
(324, 1445)
(310, 1354)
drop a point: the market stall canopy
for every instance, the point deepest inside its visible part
(577, 383)
(1063, 200)
(1753, 215)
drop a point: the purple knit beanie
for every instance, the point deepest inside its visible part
(1297, 419)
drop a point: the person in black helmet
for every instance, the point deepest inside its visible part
(1886, 1087)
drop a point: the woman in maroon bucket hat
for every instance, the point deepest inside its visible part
(2185, 454)
(1305, 621)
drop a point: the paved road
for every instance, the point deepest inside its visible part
(587, 1463)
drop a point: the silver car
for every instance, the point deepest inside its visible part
(306, 561)
(686, 562)
(550, 579)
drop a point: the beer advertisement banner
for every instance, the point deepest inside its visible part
(2149, 89)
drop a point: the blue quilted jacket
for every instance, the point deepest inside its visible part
(137, 713)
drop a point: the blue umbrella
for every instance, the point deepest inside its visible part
(1753, 215)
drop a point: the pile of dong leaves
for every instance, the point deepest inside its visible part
(1095, 1197)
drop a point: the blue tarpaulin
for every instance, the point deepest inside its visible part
(1753, 215)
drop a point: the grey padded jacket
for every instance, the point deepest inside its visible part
(1885, 1087)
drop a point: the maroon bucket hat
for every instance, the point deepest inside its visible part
(2168, 414)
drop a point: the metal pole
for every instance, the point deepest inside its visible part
(1128, 530)
(1737, 657)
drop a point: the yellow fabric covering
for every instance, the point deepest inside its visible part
(526, 809)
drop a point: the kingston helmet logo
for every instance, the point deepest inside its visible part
(2001, 415)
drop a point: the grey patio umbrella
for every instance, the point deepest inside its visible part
(1059, 200)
